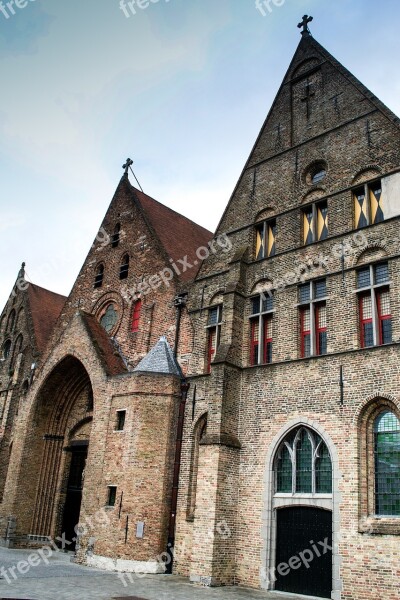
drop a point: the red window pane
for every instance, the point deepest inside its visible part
(212, 346)
(384, 316)
(267, 354)
(305, 332)
(254, 342)
(320, 326)
(136, 316)
(366, 322)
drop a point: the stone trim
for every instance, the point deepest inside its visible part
(268, 532)
(120, 565)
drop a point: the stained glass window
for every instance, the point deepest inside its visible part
(303, 464)
(110, 318)
(387, 464)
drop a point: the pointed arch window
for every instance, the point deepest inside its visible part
(199, 433)
(6, 349)
(303, 464)
(11, 321)
(124, 268)
(116, 236)
(98, 280)
(387, 464)
(17, 348)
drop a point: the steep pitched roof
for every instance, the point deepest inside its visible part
(159, 360)
(106, 351)
(45, 307)
(179, 236)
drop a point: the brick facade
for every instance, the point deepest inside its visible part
(237, 415)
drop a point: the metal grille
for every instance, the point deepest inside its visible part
(381, 273)
(366, 307)
(267, 303)
(320, 289)
(364, 278)
(384, 303)
(387, 464)
(304, 292)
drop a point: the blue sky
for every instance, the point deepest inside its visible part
(182, 87)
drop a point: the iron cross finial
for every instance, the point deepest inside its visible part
(304, 24)
(126, 166)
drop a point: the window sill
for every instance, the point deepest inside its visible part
(380, 526)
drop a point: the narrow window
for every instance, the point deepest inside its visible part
(214, 333)
(6, 349)
(368, 205)
(374, 305)
(387, 464)
(112, 495)
(121, 415)
(11, 321)
(261, 330)
(265, 239)
(17, 349)
(313, 326)
(136, 316)
(98, 280)
(124, 268)
(116, 236)
(315, 223)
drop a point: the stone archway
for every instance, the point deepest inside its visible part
(58, 443)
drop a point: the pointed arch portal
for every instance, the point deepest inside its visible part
(300, 518)
(59, 444)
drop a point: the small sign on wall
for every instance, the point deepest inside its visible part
(140, 529)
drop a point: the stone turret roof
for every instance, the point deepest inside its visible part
(160, 360)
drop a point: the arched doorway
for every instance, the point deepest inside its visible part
(59, 445)
(302, 527)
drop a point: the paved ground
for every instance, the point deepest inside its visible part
(56, 578)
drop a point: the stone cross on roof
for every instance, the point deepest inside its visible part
(304, 24)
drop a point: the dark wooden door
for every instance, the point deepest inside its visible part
(304, 543)
(73, 500)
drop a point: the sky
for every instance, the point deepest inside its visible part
(180, 86)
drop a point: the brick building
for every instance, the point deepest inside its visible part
(278, 467)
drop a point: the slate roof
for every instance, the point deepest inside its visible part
(110, 357)
(45, 307)
(179, 235)
(159, 360)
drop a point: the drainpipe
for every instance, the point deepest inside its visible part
(179, 303)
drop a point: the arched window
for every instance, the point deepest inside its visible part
(124, 268)
(11, 321)
(17, 349)
(137, 309)
(200, 431)
(109, 318)
(303, 464)
(116, 236)
(98, 280)
(387, 464)
(6, 349)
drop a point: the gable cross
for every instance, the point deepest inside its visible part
(128, 164)
(304, 24)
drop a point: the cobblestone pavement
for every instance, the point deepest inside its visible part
(56, 578)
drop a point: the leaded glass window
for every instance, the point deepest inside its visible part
(303, 464)
(369, 205)
(374, 305)
(387, 464)
(109, 319)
